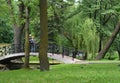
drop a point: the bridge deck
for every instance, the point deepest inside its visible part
(58, 57)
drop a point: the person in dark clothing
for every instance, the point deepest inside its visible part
(63, 52)
(53, 49)
(74, 53)
(32, 44)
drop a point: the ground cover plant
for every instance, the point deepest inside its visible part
(65, 73)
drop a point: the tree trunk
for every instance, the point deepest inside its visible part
(17, 38)
(100, 44)
(44, 63)
(17, 27)
(27, 44)
(118, 53)
(85, 56)
(102, 53)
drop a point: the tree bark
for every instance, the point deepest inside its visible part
(17, 38)
(100, 43)
(118, 50)
(27, 44)
(18, 31)
(102, 53)
(119, 54)
(17, 27)
(44, 63)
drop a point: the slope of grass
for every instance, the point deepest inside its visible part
(65, 73)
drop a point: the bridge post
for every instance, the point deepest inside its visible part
(63, 52)
(1, 51)
(5, 50)
(53, 48)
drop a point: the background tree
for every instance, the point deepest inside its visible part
(68, 21)
(109, 14)
(17, 18)
(5, 24)
(102, 53)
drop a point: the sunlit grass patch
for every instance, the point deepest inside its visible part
(65, 73)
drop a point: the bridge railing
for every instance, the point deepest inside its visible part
(10, 49)
(52, 48)
(4, 50)
(64, 51)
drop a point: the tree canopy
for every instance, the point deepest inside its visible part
(85, 25)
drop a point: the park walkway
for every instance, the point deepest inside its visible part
(65, 59)
(58, 57)
(68, 60)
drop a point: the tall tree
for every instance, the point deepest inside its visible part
(102, 53)
(17, 14)
(27, 44)
(44, 63)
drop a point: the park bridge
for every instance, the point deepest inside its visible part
(12, 52)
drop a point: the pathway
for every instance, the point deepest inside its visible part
(66, 59)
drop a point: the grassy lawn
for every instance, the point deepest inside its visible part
(65, 73)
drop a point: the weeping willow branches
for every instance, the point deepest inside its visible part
(82, 32)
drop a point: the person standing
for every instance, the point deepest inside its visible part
(32, 44)
(74, 53)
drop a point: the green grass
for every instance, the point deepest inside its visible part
(65, 73)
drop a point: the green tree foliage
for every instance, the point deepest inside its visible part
(6, 33)
(82, 24)
(56, 16)
(75, 30)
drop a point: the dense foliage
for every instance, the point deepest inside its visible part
(6, 32)
(82, 24)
